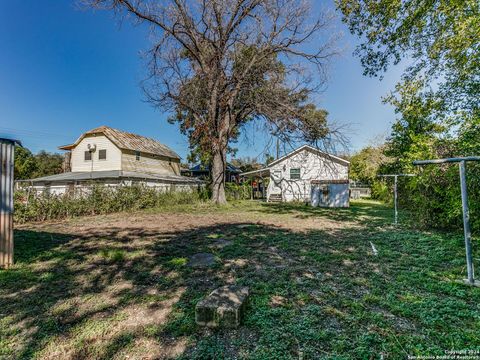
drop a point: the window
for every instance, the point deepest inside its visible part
(102, 154)
(137, 155)
(294, 174)
(88, 155)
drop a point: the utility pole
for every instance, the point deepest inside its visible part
(278, 148)
(462, 161)
(395, 191)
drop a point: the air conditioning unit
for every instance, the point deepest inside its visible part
(92, 147)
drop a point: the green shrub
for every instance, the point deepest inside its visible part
(238, 191)
(434, 197)
(98, 200)
(381, 191)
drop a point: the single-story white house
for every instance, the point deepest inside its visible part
(307, 174)
(113, 157)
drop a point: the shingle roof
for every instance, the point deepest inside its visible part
(128, 141)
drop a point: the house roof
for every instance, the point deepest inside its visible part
(128, 141)
(9, 138)
(266, 170)
(259, 172)
(314, 150)
(111, 174)
(206, 168)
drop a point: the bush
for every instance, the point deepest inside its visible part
(99, 200)
(238, 191)
(434, 196)
(381, 191)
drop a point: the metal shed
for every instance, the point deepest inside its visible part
(7, 150)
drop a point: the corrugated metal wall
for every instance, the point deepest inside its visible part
(6, 202)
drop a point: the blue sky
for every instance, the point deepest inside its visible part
(65, 70)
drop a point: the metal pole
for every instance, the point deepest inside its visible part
(395, 191)
(466, 216)
(251, 187)
(395, 199)
(466, 223)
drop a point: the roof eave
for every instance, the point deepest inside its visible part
(326, 155)
(264, 171)
(13, 141)
(66, 147)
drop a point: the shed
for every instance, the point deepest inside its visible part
(7, 150)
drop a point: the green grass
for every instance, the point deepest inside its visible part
(317, 291)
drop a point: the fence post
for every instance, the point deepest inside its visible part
(396, 199)
(7, 149)
(395, 191)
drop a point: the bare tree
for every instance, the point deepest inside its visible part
(220, 63)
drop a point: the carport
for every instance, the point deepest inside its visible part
(258, 179)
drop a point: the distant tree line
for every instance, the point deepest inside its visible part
(29, 166)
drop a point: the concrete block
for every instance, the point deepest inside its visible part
(224, 307)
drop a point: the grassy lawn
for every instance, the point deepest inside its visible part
(118, 286)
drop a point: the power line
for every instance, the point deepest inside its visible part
(33, 133)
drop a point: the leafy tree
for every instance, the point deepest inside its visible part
(269, 159)
(221, 63)
(433, 196)
(437, 98)
(415, 135)
(25, 165)
(29, 166)
(365, 165)
(439, 39)
(48, 164)
(246, 164)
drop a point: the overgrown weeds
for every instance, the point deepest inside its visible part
(98, 200)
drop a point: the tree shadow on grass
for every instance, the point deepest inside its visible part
(117, 292)
(31, 245)
(361, 212)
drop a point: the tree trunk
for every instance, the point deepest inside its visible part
(218, 176)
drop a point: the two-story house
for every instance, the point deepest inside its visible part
(113, 157)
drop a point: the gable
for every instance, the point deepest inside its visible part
(111, 162)
(315, 151)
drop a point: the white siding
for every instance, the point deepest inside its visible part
(312, 167)
(114, 155)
